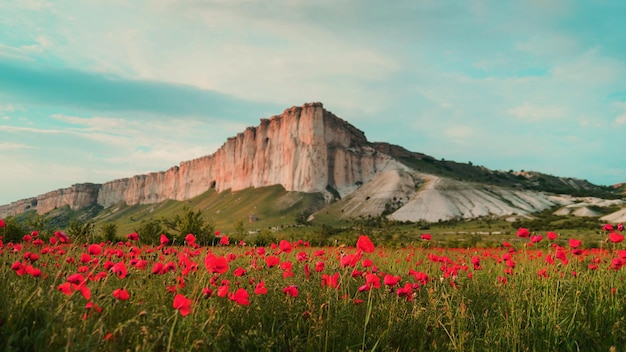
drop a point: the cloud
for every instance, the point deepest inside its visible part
(621, 119)
(533, 113)
(71, 88)
(8, 146)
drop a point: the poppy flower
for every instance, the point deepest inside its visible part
(61, 236)
(164, 240)
(391, 280)
(217, 265)
(426, 237)
(271, 261)
(121, 294)
(616, 237)
(330, 281)
(574, 243)
(2, 223)
(607, 227)
(364, 244)
(523, 232)
(224, 241)
(65, 288)
(620, 227)
(319, 266)
(285, 246)
(183, 304)
(94, 249)
(240, 296)
(536, 239)
(190, 239)
(132, 236)
(551, 235)
(120, 270)
(291, 290)
(372, 280)
(239, 272)
(260, 288)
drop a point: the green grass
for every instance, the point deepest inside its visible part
(458, 308)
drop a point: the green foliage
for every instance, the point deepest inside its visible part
(150, 231)
(191, 222)
(107, 232)
(80, 232)
(13, 231)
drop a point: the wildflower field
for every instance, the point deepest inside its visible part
(540, 292)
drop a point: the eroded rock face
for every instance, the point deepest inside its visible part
(304, 149)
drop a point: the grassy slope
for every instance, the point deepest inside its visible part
(272, 205)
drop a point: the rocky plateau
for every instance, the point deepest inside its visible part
(309, 149)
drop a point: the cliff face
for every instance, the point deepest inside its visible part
(304, 149)
(77, 196)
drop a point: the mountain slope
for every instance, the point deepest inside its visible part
(310, 150)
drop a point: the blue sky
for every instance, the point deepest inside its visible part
(92, 91)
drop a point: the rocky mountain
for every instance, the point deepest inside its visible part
(309, 149)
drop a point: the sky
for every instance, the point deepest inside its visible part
(92, 91)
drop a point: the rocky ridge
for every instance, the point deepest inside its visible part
(309, 149)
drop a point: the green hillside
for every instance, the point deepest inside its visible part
(256, 208)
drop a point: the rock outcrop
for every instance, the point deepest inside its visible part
(306, 149)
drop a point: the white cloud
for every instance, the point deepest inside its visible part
(8, 146)
(459, 132)
(533, 113)
(621, 119)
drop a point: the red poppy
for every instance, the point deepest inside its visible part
(65, 288)
(523, 232)
(291, 290)
(391, 280)
(183, 304)
(2, 223)
(164, 240)
(190, 239)
(616, 237)
(285, 246)
(319, 266)
(224, 240)
(272, 261)
(61, 236)
(120, 270)
(121, 294)
(536, 239)
(365, 244)
(94, 249)
(426, 237)
(607, 227)
(372, 280)
(240, 296)
(213, 264)
(574, 243)
(132, 236)
(260, 288)
(330, 281)
(239, 271)
(350, 259)
(551, 235)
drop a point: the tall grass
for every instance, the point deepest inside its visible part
(459, 307)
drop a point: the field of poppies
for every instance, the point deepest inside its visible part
(536, 292)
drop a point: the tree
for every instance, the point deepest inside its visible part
(150, 231)
(79, 231)
(108, 232)
(191, 222)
